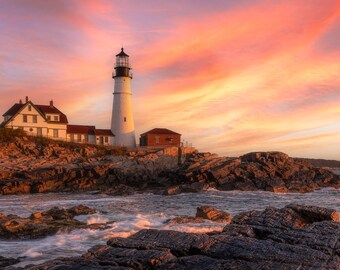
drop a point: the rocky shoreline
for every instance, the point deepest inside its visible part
(293, 237)
(28, 166)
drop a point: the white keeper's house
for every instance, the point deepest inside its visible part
(49, 121)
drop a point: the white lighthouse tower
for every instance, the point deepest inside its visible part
(122, 124)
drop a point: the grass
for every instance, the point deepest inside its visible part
(11, 135)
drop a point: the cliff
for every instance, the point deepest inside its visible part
(31, 165)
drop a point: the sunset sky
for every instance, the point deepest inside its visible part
(230, 76)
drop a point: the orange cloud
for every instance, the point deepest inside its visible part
(230, 80)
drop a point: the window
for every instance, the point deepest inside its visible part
(48, 117)
(124, 119)
(157, 139)
(39, 131)
(72, 137)
(29, 107)
(24, 118)
(55, 133)
(106, 139)
(78, 137)
(56, 118)
(86, 138)
(35, 119)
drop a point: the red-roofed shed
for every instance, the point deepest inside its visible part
(159, 137)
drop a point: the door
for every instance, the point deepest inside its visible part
(39, 131)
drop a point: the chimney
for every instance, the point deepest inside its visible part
(26, 99)
(51, 103)
(20, 101)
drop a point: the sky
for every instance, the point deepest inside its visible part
(231, 76)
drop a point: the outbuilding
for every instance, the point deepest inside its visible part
(159, 137)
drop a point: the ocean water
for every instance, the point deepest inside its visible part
(128, 214)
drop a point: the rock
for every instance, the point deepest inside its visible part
(172, 190)
(270, 171)
(78, 263)
(314, 213)
(81, 210)
(31, 166)
(4, 262)
(195, 187)
(179, 243)
(293, 237)
(292, 216)
(186, 188)
(184, 220)
(36, 215)
(200, 262)
(136, 259)
(119, 190)
(208, 212)
(43, 224)
(58, 213)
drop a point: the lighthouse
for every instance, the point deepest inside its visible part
(122, 124)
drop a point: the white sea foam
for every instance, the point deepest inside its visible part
(97, 219)
(31, 253)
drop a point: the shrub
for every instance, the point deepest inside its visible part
(9, 135)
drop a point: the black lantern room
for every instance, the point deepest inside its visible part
(122, 67)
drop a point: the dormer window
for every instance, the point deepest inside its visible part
(56, 118)
(48, 117)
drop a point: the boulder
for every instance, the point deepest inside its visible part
(43, 224)
(208, 212)
(36, 215)
(184, 220)
(81, 210)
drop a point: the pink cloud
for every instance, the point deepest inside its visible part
(231, 79)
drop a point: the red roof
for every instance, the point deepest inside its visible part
(80, 129)
(14, 109)
(43, 109)
(103, 132)
(161, 131)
